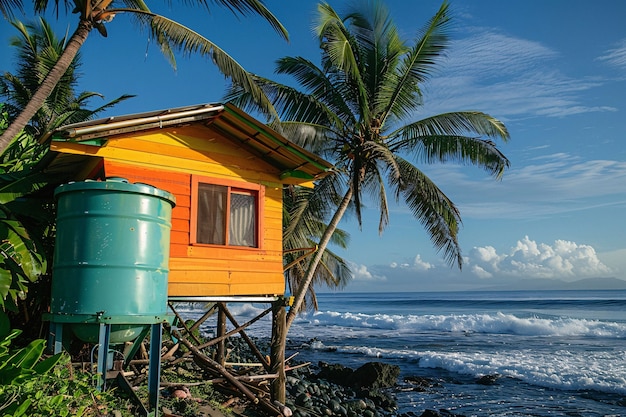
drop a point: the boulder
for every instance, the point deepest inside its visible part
(488, 379)
(335, 373)
(375, 375)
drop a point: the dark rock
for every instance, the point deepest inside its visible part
(488, 379)
(419, 383)
(380, 399)
(375, 375)
(336, 373)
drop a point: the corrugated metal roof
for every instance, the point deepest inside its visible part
(261, 140)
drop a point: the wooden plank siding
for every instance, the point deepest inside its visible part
(167, 159)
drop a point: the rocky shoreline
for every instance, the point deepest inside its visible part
(335, 390)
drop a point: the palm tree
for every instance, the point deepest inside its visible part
(359, 110)
(38, 50)
(305, 210)
(170, 35)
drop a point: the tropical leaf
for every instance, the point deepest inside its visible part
(22, 260)
(47, 364)
(19, 365)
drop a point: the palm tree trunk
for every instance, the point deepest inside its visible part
(304, 285)
(45, 89)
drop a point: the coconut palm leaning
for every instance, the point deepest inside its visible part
(304, 212)
(359, 109)
(170, 35)
(37, 51)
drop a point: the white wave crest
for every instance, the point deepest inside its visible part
(496, 323)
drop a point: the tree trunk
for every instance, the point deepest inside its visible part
(45, 89)
(277, 351)
(220, 354)
(328, 233)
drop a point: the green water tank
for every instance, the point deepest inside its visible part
(111, 257)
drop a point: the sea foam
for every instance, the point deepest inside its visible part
(493, 323)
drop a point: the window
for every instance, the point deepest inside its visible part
(225, 213)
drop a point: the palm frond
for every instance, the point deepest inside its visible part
(443, 138)
(341, 53)
(432, 208)
(380, 159)
(187, 41)
(318, 139)
(286, 103)
(316, 84)
(457, 123)
(246, 8)
(7, 8)
(401, 91)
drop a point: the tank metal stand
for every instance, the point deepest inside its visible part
(104, 335)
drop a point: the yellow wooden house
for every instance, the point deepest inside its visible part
(227, 171)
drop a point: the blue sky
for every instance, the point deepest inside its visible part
(553, 71)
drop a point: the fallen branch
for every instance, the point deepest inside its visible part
(204, 359)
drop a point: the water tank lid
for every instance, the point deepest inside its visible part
(116, 184)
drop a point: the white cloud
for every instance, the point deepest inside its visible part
(361, 273)
(616, 56)
(510, 78)
(528, 259)
(487, 267)
(421, 265)
(550, 185)
(418, 264)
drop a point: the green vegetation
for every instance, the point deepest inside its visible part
(62, 391)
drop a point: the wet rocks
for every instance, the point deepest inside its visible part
(488, 379)
(335, 373)
(375, 375)
(419, 384)
(332, 392)
(372, 375)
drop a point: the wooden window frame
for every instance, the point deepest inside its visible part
(257, 190)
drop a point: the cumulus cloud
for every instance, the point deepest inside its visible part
(418, 264)
(361, 273)
(528, 259)
(616, 56)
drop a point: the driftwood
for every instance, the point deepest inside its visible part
(250, 343)
(237, 383)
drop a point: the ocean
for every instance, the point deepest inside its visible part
(555, 353)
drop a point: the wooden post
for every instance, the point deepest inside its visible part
(220, 356)
(277, 350)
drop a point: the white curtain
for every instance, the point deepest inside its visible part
(242, 220)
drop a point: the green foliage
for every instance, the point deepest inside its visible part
(18, 366)
(22, 259)
(33, 386)
(19, 369)
(61, 392)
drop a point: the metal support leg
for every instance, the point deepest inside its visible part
(103, 353)
(55, 337)
(154, 368)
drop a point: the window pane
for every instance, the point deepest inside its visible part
(242, 220)
(211, 214)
